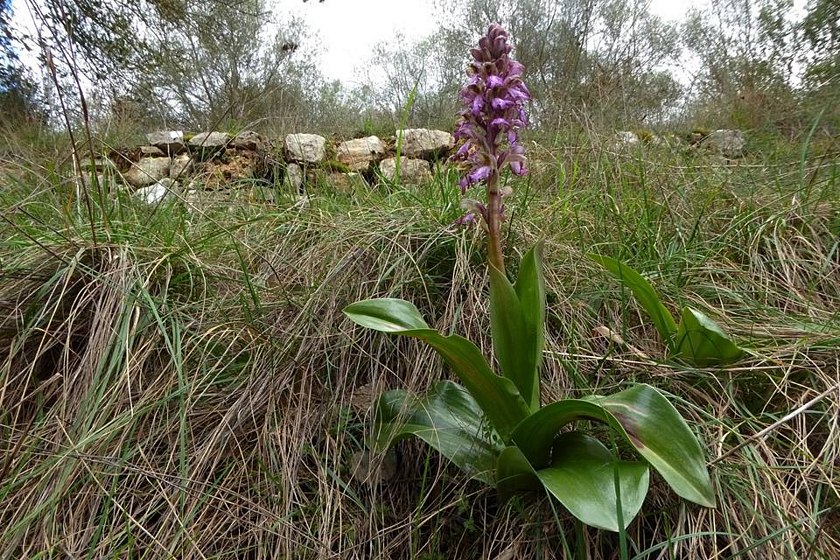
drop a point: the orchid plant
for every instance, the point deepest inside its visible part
(493, 425)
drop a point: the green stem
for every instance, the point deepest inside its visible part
(494, 219)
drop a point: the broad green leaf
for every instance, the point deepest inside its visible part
(514, 474)
(448, 419)
(643, 417)
(530, 287)
(644, 292)
(535, 435)
(496, 395)
(660, 435)
(582, 478)
(388, 315)
(701, 342)
(512, 342)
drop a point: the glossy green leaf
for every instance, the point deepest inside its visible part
(660, 435)
(701, 342)
(645, 294)
(536, 434)
(512, 342)
(448, 419)
(530, 288)
(514, 474)
(388, 315)
(644, 418)
(582, 478)
(497, 396)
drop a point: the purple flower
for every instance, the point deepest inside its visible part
(494, 101)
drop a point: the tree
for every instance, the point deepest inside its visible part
(745, 52)
(221, 64)
(601, 59)
(821, 33)
(18, 94)
(192, 62)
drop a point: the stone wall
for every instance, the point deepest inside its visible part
(221, 166)
(173, 163)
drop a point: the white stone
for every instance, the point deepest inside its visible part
(306, 148)
(147, 171)
(210, 140)
(169, 141)
(728, 143)
(248, 140)
(424, 143)
(412, 171)
(626, 138)
(182, 166)
(293, 178)
(361, 153)
(151, 151)
(347, 182)
(158, 192)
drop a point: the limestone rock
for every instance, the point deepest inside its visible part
(151, 151)
(158, 192)
(210, 140)
(207, 145)
(248, 140)
(182, 166)
(170, 142)
(306, 148)
(361, 153)
(412, 171)
(293, 178)
(625, 139)
(424, 143)
(147, 171)
(728, 143)
(347, 182)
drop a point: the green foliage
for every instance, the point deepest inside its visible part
(495, 430)
(698, 341)
(449, 419)
(517, 316)
(497, 396)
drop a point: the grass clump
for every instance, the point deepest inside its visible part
(182, 384)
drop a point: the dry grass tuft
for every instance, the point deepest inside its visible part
(187, 387)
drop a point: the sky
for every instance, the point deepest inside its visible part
(350, 28)
(347, 30)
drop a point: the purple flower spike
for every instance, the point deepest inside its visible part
(494, 100)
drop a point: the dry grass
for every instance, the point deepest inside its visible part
(190, 389)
